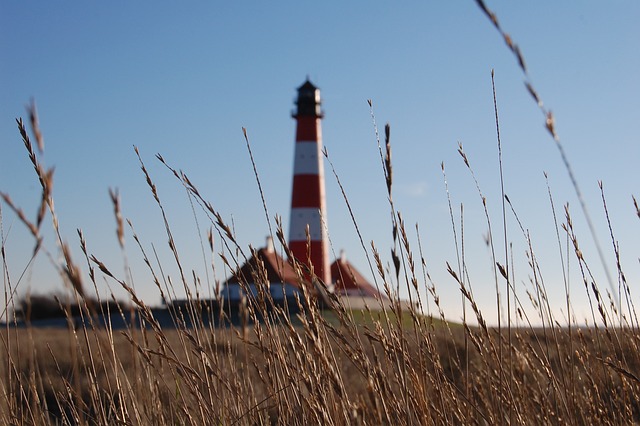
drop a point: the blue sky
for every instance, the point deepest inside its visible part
(183, 79)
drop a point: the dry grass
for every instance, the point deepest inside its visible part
(337, 367)
(282, 375)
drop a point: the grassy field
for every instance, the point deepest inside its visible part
(348, 373)
(320, 367)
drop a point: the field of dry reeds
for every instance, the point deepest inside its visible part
(335, 366)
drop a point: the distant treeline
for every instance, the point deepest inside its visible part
(50, 306)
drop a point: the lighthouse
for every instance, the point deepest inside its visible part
(308, 203)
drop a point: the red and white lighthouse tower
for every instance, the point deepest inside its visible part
(308, 204)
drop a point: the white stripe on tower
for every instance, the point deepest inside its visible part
(308, 205)
(306, 158)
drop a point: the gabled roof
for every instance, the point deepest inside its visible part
(277, 269)
(348, 281)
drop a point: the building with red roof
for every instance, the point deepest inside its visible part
(265, 266)
(348, 281)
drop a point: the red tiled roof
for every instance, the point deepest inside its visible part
(277, 269)
(348, 281)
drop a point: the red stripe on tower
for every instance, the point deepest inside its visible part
(308, 204)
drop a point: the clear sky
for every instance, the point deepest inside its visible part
(183, 79)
